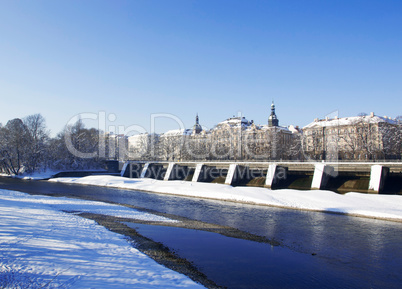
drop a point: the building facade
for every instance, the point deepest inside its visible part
(235, 138)
(365, 137)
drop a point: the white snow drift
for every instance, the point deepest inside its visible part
(367, 205)
(43, 247)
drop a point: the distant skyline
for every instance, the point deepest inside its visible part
(132, 59)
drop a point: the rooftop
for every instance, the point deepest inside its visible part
(349, 121)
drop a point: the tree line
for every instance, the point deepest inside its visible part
(26, 146)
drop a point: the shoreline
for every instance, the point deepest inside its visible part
(278, 198)
(68, 247)
(253, 203)
(158, 252)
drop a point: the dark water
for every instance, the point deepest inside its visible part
(317, 250)
(238, 263)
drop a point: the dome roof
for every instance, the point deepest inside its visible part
(197, 127)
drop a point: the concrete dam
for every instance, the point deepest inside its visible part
(341, 177)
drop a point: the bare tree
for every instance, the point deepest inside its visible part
(38, 137)
(391, 136)
(170, 147)
(197, 147)
(360, 138)
(257, 145)
(13, 145)
(76, 148)
(351, 142)
(294, 149)
(140, 147)
(221, 145)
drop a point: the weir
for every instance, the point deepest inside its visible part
(275, 176)
(340, 177)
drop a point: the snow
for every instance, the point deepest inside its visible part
(349, 121)
(267, 127)
(177, 132)
(366, 205)
(32, 176)
(44, 247)
(38, 175)
(235, 121)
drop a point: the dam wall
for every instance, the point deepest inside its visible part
(341, 177)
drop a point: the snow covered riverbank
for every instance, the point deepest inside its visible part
(374, 206)
(42, 246)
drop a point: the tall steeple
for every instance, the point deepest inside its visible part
(197, 127)
(273, 120)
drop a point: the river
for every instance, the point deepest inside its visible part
(316, 250)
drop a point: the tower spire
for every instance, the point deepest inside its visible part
(273, 120)
(197, 127)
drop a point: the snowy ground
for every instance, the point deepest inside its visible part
(43, 247)
(367, 205)
(34, 176)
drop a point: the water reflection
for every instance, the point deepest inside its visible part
(236, 263)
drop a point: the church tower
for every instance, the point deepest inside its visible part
(273, 120)
(197, 127)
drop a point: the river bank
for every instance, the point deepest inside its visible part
(331, 248)
(55, 248)
(43, 235)
(386, 207)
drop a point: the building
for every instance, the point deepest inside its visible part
(197, 127)
(113, 146)
(273, 120)
(365, 137)
(235, 138)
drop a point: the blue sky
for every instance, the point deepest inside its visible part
(216, 58)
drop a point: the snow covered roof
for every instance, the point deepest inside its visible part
(349, 121)
(235, 122)
(294, 129)
(267, 127)
(177, 132)
(138, 137)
